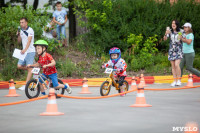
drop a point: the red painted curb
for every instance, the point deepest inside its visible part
(78, 82)
(4, 84)
(148, 79)
(75, 82)
(196, 79)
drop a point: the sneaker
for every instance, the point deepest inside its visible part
(173, 84)
(69, 90)
(22, 88)
(178, 83)
(122, 90)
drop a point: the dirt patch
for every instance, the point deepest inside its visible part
(83, 61)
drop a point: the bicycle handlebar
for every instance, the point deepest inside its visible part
(113, 69)
(34, 67)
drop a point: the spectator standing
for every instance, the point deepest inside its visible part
(188, 50)
(26, 36)
(60, 18)
(175, 53)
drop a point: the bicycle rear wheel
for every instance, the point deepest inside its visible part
(59, 90)
(32, 90)
(126, 87)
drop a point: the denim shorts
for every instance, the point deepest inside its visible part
(60, 31)
(53, 77)
(29, 59)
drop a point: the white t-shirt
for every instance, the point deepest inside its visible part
(24, 35)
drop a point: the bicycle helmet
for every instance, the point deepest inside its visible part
(115, 50)
(41, 43)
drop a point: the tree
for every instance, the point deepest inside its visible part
(2, 4)
(35, 4)
(72, 21)
(24, 2)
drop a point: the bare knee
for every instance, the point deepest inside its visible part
(177, 66)
(19, 66)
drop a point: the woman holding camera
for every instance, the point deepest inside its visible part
(175, 53)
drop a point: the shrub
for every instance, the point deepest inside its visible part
(110, 22)
(65, 68)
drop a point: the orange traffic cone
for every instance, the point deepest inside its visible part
(191, 127)
(52, 108)
(140, 99)
(142, 81)
(133, 83)
(85, 89)
(190, 81)
(12, 91)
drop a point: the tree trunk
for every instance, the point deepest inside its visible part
(25, 2)
(2, 3)
(35, 4)
(72, 22)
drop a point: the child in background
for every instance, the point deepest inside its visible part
(60, 18)
(48, 30)
(116, 62)
(48, 66)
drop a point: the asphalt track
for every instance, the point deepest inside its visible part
(172, 108)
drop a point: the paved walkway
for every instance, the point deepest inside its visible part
(169, 109)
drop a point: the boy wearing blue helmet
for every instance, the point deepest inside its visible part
(116, 62)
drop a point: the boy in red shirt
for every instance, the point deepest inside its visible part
(47, 63)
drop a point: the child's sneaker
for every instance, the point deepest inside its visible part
(178, 83)
(121, 91)
(173, 84)
(69, 90)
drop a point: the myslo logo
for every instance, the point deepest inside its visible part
(185, 129)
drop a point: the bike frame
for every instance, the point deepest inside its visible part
(112, 80)
(42, 77)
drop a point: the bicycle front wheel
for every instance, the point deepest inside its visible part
(32, 90)
(105, 88)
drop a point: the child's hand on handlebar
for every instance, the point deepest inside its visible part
(45, 66)
(28, 66)
(103, 66)
(119, 70)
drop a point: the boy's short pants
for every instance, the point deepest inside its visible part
(29, 59)
(53, 77)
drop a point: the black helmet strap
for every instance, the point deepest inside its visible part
(43, 51)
